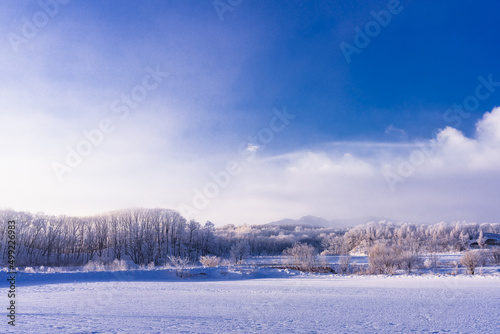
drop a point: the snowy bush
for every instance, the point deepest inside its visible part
(471, 259)
(179, 264)
(455, 267)
(94, 266)
(29, 270)
(301, 256)
(409, 260)
(485, 257)
(210, 261)
(118, 265)
(383, 259)
(494, 255)
(344, 264)
(225, 263)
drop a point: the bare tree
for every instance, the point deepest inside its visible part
(481, 241)
(193, 227)
(494, 254)
(344, 263)
(301, 256)
(179, 264)
(471, 260)
(383, 259)
(239, 251)
(409, 260)
(334, 245)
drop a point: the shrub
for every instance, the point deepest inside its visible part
(179, 263)
(409, 260)
(94, 266)
(210, 261)
(118, 265)
(495, 255)
(471, 259)
(383, 259)
(344, 264)
(301, 256)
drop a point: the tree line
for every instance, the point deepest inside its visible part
(156, 236)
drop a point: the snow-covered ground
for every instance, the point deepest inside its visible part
(255, 301)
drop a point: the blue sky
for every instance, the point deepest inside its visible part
(353, 121)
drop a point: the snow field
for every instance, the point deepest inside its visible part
(296, 304)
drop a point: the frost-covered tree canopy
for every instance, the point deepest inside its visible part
(153, 235)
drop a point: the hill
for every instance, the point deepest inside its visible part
(322, 222)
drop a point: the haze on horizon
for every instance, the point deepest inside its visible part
(252, 113)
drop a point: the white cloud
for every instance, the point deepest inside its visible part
(252, 148)
(458, 180)
(139, 166)
(164, 151)
(392, 129)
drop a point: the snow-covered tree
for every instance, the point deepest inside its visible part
(301, 256)
(239, 251)
(481, 241)
(471, 259)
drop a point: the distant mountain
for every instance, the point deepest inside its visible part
(322, 222)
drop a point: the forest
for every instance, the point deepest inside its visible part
(156, 236)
